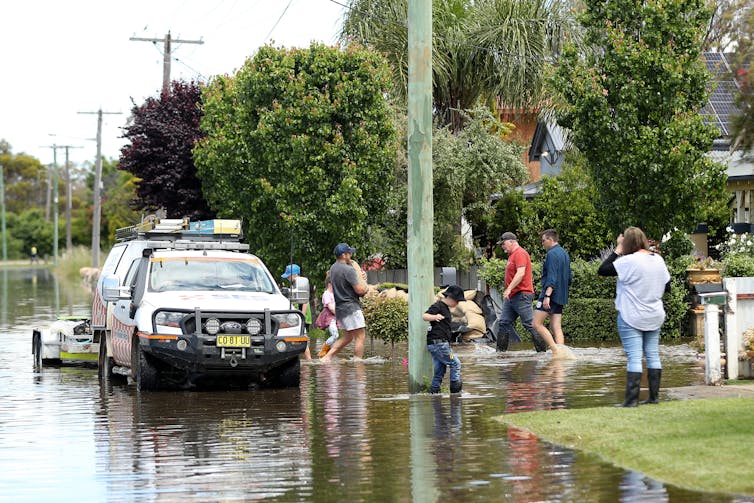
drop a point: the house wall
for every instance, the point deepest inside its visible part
(525, 122)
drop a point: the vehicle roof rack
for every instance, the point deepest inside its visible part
(170, 230)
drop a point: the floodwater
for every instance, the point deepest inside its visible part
(351, 432)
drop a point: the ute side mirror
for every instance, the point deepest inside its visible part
(111, 289)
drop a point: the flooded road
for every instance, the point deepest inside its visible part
(351, 432)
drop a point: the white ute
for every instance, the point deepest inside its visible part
(180, 303)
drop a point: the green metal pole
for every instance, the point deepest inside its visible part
(420, 213)
(2, 214)
(55, 205)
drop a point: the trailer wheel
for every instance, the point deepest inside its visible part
(145, 370)
(36, 349)
(287, 375)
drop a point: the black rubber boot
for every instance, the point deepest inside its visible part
(653, 379)
(539, 343)
(455, 386)
(633, 385)
(502, 340)
(434, 391)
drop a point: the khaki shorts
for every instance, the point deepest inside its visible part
(353, 321)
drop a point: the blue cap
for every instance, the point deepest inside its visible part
(291, 269)
(342, 248)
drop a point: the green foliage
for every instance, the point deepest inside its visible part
(587, 284)
(162, 134)
(300, 144)
(386, 319)
(25, 180)
(641, 88)
(492, 271)
(738, 265)
(512, 213)
(567, 204)
(590, 319)
(676, 310)
(743, 123)
(468, 168)
(30, 229)
(678, 244)
(481, 50)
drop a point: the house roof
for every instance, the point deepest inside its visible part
(721, 106)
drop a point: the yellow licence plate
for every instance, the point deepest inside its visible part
(233, 341)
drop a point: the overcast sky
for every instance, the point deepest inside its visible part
(60, 58)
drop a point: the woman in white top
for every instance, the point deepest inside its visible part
(642, 280)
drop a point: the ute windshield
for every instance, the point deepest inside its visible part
(208, 274)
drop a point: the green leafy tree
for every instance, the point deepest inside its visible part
(567, 204)
(632, 106)
(162, 134)
(482, 49)
(300, 144)
(743, 123)
(25, 180)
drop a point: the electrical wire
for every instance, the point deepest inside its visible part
(278, 21)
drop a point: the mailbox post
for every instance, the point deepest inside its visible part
(712, 302)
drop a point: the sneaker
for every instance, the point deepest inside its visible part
(324, 350)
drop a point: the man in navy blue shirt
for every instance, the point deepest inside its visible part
(556, 279)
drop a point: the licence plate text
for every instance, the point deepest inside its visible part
(233, 341)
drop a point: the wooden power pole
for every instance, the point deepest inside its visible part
(97, 188)
(166, 54)
(420, 210)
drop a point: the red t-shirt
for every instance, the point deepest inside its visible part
(519, 258)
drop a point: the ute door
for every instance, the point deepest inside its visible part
(124, 311)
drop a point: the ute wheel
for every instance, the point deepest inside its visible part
(287, 375)
(105, 363)
(144, 368)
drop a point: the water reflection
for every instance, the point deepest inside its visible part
(349, 433)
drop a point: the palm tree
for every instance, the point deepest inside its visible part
(490, 50)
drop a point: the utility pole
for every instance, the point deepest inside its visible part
(54, 148)
(97, 183)
(166, 54)
(420, 210)
(68, 204)
(2, 213)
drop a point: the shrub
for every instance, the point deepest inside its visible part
(493, 272)
(587, 284)
(386, 319)
(677, 244)
(590, 319)
(738, 265)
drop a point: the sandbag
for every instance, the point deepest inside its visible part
(359, 272)
(476, 322)
(471, 335)
(470, 307)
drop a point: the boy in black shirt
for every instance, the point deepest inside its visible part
(438, 339)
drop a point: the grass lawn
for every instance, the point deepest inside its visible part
(704, 445)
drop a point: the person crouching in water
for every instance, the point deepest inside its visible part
(438, 339)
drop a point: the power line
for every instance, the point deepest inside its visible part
(278, 21)
(167, 41)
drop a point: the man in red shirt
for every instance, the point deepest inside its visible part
(518, 294)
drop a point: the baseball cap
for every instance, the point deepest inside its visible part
(505, 236)
(291, 269)
(455, 293)
(342, 248)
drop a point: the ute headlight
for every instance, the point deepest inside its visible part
(212, 326)
(253, 326)
(168, 322)
(288, 320)
(280, 346)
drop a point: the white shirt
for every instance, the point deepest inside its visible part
(641, 283)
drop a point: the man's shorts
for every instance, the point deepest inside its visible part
(555, 308)
(353, 321)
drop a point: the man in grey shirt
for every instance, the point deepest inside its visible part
(347, 289)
